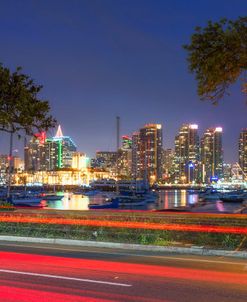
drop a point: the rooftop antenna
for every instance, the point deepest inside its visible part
(118, 146)
(118, 132)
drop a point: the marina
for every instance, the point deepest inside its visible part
(162, 200)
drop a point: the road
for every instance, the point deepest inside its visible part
(35, 272)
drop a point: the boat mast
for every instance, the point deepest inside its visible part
(118, 146)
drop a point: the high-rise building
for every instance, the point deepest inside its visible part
(242, 151)
(107, 160)
(50, 154)
(4, 166)
(124, 158)
(212, 154)
(34, 154)
(168, 163)
(53, 154)
(80, 161)
(186, 160)
(66, 148)
(135, 155)
(147, 153)
(126, 142)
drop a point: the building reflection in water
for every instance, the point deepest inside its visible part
(175, 198)
(183, 198)
(70, 202)
(168, 199)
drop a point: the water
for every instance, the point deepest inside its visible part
(168, 199)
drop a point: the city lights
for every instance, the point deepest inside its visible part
(193, 126)
(56, 160)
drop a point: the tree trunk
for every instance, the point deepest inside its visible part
(10, 164)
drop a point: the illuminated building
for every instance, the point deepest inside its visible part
(48, 154)
(4, 164)
(147, 153)
(34, 154)
(186, 161)
(66, 147)
(126, 142)
(135, 164)
(106, 160)
(242, 151)
(168, 163)
(124, 158)
(80, 161)
(227, 171)
(53, 154)
(212, 154)
(18, 164)
(63, 177)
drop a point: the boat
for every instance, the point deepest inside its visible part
(51, 197)
(148, 196)
(24, 200)
(234, 196)
(113, 204)
(112, 184)
(124, 202)
(103, 184)
(91, 193)
(210, 194)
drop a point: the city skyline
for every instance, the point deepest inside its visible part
(97, 61)
(140, 156)
(18, 146)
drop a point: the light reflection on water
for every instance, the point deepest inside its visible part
(69, 202)
(168, 199)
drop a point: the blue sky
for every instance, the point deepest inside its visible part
(98, 59)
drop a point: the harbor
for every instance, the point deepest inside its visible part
(183, 200)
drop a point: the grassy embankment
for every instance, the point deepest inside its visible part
(154, 228)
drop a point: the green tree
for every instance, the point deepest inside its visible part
(21, 109)
(217, 54)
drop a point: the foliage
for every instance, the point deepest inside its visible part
(6, 206)
(217, 54)
(20, 107)
(122, 235)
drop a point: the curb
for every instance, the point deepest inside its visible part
(194, 250)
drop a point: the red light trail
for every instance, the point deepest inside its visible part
(126, 224)
(54, 264)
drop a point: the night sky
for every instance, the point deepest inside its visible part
(99, 59)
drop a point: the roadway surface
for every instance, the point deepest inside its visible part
(35, 272)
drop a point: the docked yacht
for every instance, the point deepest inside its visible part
(234, 196)
(210, 194)
(51, 197)
(126, 201)
(24, 199)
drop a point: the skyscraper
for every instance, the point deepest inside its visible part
(34, 153)
(135, 154)
(212, 154)
(147, 153)
(53, 154)
(124, 157)
(126, 142)
(107, 160)
(43, 154)
(242, 151)
(186, 161)
(66, 147)
(168, 163)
